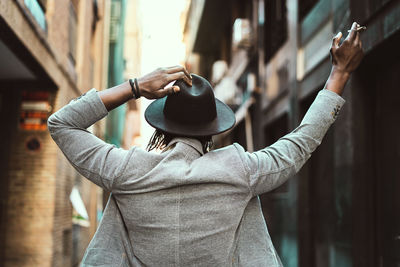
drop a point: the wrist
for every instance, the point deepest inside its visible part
(139, 85)
(339, 74)
(134, 88)
(337, 80)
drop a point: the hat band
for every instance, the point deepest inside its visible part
(192, 116)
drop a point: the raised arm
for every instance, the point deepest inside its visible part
(93, 158)
(270, 167)
(151, 86)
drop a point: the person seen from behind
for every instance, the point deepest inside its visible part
(189, 205)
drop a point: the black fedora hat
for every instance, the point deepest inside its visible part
(193, 111)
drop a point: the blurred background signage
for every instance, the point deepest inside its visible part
(35, 109)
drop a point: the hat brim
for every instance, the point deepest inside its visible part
(224, 121)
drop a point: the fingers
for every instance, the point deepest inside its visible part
(353, 32)
(178, 76)
(357, 38)
(179, 69)
(167, 91)
(336, 41)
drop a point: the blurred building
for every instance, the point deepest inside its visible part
(123, 123)
(51, 52)
(268, 59)
(132, 56)
(122, 127)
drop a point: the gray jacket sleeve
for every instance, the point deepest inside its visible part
(93, 158)
(270, 167)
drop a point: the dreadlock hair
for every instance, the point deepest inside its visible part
(160, 140)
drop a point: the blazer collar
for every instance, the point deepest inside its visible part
(196, 144)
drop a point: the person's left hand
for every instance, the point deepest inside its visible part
(151, 85)
(347, 56)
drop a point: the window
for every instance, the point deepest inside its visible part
(275, 27)
(304, 7)
(37, 9)
(369, 8)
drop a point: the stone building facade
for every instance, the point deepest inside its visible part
(52, 51)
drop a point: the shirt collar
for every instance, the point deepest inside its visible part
(196, 144)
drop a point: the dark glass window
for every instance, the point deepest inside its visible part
(369, 8)
(278, 205)
(304, 7)
(276, 30)
(37, 9)
(324, 201)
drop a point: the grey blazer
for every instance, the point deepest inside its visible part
(182, 207)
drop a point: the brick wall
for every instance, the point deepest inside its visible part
(31, 202)
(38, 225)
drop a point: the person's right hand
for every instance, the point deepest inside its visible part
(347, 56)
(151, 86)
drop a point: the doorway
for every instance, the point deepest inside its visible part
(8, 118)
(387, 160)
(376, 180)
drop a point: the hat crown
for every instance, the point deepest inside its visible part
(193, 111)
(192, 104)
